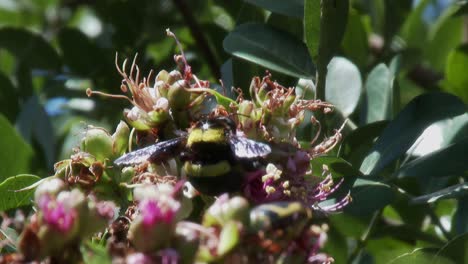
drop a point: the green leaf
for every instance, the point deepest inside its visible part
(323, 41)
(270, 48)
(94, 253)
(338, 167)
(357, 144)
(420, 256)
(325, 24)
(444, 35)
(29, 48)
(369, 196)
(16, 154)
(10, 198)
(440, 134)
(355, 41)
(379, 95)
(34, 124)
(414, 30)
(448, 161)
(9, 105)
(336, 246)
(343, 85)
(454, 191)
(396, 12)
(455, 250)
(312, 26)
(460, 219)
(293, 8)
(80, 53)
(455, 72)
(408, 125)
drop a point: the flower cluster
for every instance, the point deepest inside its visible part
(273, 215)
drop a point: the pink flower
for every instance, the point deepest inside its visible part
(56, 214)
(152, 212)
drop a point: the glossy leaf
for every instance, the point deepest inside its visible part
(15, 152)
(10, 197)
(378, 94)
(312, 26)
(270, 48)
(357, 144)
(294, 8)
(449, 161)
(440, 134)
(400, 134)
(455, 191)
(444, 35)
(343, 85)
(325, 24)
(455, 72)
(29, 48)
(355, 40)
(369, 196)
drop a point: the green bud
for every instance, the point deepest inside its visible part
(157, 117)
(127, 174)
(98, 143)
(178, 97)
(174, 76)
(137, 118)
(120, 138)
(222, 211)
(228, 238)
(149, 239)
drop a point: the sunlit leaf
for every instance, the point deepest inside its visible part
(11, 198)
(400, 134)
(343, 85)
(270, 48)
(378, 94)
(448, 161)
(455, 191)
(457, 63)
(16, 153)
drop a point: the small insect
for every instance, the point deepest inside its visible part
(215, 158)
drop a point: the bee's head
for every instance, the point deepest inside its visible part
(218, 122)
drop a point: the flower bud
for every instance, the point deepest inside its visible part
(120, 138)
(50, 186)
(98, 143)
(225, 209)
(178, 97)
(137, 118)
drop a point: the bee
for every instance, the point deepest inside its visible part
(214, 158)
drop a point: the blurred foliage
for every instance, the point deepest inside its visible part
(398, 75)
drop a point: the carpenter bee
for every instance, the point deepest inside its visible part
(214, 157)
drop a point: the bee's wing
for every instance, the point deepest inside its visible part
(247, 148)
(159, 151)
